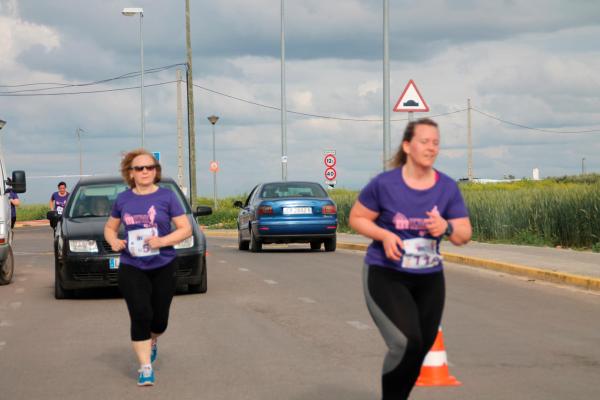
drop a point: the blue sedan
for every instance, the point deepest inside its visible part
(287, 212)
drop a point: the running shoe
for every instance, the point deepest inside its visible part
(146, 377)
(154, 352)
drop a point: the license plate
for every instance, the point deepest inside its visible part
(113, 263)
(296, 210)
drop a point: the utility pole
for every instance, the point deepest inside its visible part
(469, 143)
(179, 132)
(583, 166)
(386, 85)
(284, 158)
(78, 133)
(190, 101)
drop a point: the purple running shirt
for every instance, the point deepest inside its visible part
(402, 211)
(59, 201)
(143, 216)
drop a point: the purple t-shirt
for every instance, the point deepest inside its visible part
(59, 201)
(145, 215)
(402, 211)
(13, 210)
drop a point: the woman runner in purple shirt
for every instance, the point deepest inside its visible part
(407, 211)
(147, 261)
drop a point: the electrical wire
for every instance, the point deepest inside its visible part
(84, 92)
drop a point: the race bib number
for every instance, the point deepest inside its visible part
(420, 253)
(136, 242)
(59, 210)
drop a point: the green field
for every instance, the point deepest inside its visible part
(552, 212)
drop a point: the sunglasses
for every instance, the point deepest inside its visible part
(140, 168)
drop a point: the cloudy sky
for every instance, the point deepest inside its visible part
(533, 63)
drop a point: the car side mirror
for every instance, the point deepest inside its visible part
(17, 182)
(53, 216)
(202, 210)
(238, 204)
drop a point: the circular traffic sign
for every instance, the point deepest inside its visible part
(330, 174)
(214, 166)
(330, 160)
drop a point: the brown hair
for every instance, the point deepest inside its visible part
(127, 160)
(400, 156)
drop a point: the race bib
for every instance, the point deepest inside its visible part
(59, 210)
(136, 242)
(420, 253)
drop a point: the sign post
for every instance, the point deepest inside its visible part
(330, 161)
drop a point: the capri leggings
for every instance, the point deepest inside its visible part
(148, 294)
(407, 309)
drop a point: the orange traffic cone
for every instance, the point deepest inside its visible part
(434, 371)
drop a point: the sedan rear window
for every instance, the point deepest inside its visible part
(291, 189)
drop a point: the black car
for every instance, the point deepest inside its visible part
(83, 258)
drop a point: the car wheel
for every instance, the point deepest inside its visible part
(315, 245)
(202, 287)
(242, 244)
(255, 244)
(330, 244)
(7, 269)
(59, 292)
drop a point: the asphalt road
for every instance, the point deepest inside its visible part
(289, 324)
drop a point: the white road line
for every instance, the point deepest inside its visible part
(222, 262)
(19, 290)
(15, 304)
(244, 269)
(358, 325)
(270, 282)
(22, 279)
(307, 300)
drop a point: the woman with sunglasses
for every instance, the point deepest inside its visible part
(407, 211)
(147, 261)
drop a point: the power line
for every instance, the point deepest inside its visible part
(83, 92)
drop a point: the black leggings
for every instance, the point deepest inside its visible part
(148, 294)
(407, 309)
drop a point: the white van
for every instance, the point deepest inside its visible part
(17, 184)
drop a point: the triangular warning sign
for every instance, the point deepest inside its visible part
(411, 100)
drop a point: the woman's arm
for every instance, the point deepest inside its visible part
(461, 231)
(111, 230)
(182, 231)
(362, 220)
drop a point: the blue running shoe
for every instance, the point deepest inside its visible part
(146, 377)
(154, 352)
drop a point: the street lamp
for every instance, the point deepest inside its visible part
(78, 132)
(213, 120)
(130, 12)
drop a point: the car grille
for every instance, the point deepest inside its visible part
(183, 271)
(95, 276)
(106, 247)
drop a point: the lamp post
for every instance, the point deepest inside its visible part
(284, 157)
(78, 132)
(130, 12)
(213, 120)
(583, 166)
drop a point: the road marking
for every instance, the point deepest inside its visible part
(222, 261)
(15, 304)
(244, 269)
(270, 282)
(22, 279)
(5, 323)
(19, 290)
(358, 325)
(307, 300)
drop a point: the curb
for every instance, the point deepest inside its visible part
(580, 281)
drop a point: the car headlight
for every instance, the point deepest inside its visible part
(83, 246)
(185, 243)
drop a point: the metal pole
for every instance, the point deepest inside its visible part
(190, 101)
(386, 85)
(179, 132)
(469, 143)
(583, 166)
(142, 75)
(283, 100)
(78, 131)
(214, 157)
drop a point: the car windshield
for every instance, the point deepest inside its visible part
(96, 200)
(292, 189)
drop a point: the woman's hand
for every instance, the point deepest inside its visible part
(155, 242)
(392, 244)
(436, 225)
(117, 245)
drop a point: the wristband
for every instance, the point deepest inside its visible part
(449, 229)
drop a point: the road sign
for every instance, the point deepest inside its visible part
(214, 166)
(331, 183)
(330, 160)
(411, 100)
(156, 155)
(330, 174)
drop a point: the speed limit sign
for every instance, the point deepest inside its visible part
(330, 174)
(330, 160)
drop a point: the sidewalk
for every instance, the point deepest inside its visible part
(571, 267)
